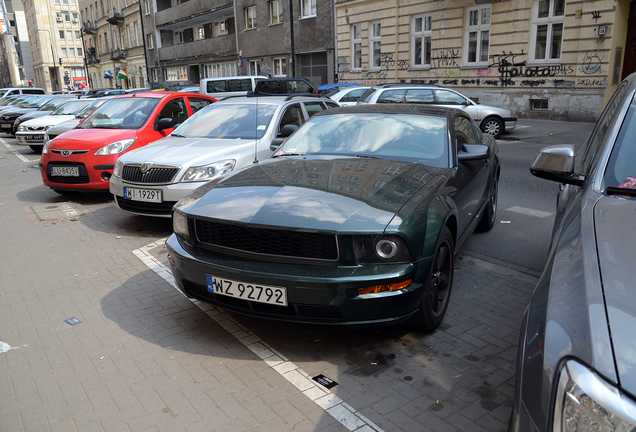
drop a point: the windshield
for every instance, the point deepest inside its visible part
(94, 103)
(36, 103)
(124, 113)
(229, 121)
(621, 168)
(391, 136)
(70, 108)
(54, 104)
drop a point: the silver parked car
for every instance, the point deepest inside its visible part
(576, 366)
(66, 126)
(226, 136)
(491, 119)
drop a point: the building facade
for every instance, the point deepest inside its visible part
(114, 44)
(541, 58)
(189, 41)
(16, 67)
(56, 43)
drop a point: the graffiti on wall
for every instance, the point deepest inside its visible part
(511, 66)
(591, 63)
(444, 58)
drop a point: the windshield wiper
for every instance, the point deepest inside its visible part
(107, 127)
(612, 190)
(290, 154)
(177, 135)
(367, 156)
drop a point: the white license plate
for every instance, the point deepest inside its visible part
(6, 125)
(33, 137)
(65, 171)
(146, 195)
(247, 291)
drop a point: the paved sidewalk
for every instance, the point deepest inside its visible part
(141, 356)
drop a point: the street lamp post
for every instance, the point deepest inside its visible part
(52, 56)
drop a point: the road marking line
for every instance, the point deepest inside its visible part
(530, 212)
(324, 398)
(17, 153)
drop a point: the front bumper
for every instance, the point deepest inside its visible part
(37, 138)
(171, 194)
(94, 171)
(6, 125)
(510, 123)
(316, 294)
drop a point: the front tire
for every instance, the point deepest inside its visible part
(492, 126)
(439, 283)
(487, 221)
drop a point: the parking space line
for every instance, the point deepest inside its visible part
(530, 212)
(321, 396)
(17, 153)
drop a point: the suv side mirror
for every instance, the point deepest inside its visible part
(470, 152)
(165, 123)
(556, 163)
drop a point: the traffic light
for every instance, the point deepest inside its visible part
(60, 60)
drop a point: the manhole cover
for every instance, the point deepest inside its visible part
(47, 212)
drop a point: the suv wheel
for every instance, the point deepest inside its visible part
(492, 126)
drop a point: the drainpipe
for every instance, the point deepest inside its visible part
(291, 25)
(143, 40)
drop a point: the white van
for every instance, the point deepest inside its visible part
(13, 91)
(228, 86)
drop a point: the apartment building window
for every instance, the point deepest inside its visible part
(61, 34)
(546, 37)
(421, 41)
(80, 52)
(176, 74)
(280, 67)
(64, 52)
(67, 17)
(78, 35)
(220, 70)
(121, 35)
(149, 41)
(250, 17)
(255, 67)
(178, 37)
(275, 12)
(136, 34)
(69, 35)
(356, 46)
(477, 36)
(75, 17)
(308, 8)
(200, 33)
(113, 36)
(129, 37)
(65, 2)
(71, 51)
(375, 47)
(147, 6)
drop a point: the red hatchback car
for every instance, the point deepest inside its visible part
(84, 157)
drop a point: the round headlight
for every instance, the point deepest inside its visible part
(386, 249)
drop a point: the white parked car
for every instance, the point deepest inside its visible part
(348, 95)
(32, 132)
(67, 125)
(226, 136)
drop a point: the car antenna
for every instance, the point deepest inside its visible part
(256, 133)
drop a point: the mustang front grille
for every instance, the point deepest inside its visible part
(132, 173)
(292, 245)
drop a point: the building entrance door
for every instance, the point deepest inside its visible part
(629, 63)
(194, 74)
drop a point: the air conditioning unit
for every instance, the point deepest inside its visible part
(58, 19)
(75, 20)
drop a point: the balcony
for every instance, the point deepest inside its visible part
(170, 17)
(115, 18)
(202, 50)
(89, 27)
(118, 54)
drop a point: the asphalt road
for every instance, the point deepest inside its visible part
(526, 207)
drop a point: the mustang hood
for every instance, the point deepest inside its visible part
(88, 139)
(189, 151)
(326, 194)
(616, 240)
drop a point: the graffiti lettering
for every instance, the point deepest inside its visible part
(591, 82)
(450, 81)
(470, 81)
(509, 67)
(403, 65)
(453, 74)
(442, 58)
(491, 82)
(532, 83)
(591, 63)
(386, 61)
(379, 75)
(484, 72)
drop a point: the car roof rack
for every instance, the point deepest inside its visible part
(311, 95)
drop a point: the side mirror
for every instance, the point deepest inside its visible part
(165, 123)
(471, 152)
(556, 163)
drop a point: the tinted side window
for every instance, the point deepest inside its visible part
(176, 110)
(422, 96)
(601, 128)
(313, 108)
(298, 87)
(239, 85)
(367, 95)
(219, 86)
(198, 103)
(293, 115)
(464, 132)
(353, 95)
(446, 97)
(391, 96)
(331, 105)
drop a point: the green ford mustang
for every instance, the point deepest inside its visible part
(356, 219)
